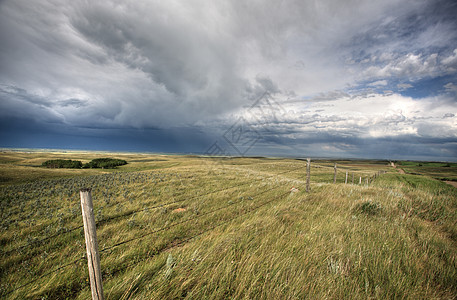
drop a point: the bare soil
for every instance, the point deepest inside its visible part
(453, 183)
(401, 171)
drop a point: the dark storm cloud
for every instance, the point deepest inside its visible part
(153, 62)
(17, 132)
(336, 145)
(77, 68)
(411, 44)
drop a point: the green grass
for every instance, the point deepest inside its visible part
(234, 230)
(437, 170)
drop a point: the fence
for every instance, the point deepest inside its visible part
(89, 222)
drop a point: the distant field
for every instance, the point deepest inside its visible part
(187, 227)
(437, 170)
(18, 167)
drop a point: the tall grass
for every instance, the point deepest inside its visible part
(235, 231)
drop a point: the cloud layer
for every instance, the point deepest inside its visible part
(356, 69)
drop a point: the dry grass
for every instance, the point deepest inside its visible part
(241, 232)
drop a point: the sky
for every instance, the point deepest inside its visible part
(313, 78)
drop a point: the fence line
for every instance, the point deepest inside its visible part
(129, 213)
(343, 168)
(42, 240)
(104, 250)
(200, 233)
(370, 177)
(90, 235)
(193, 197)
(45, 275)
(179, 223)
(127, 241)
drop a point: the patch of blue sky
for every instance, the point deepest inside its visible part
(428, 87)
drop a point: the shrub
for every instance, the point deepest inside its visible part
(105, 163)
(62, 163)
(369, 208)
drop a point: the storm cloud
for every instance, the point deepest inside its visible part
(138, 73)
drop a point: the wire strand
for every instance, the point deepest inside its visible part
(198, 234)
(142, 209)
(177, 223)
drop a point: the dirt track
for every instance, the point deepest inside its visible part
(401, 171)
(453, 183)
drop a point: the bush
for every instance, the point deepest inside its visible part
(105, 163)
(368, 207)
(62, 163)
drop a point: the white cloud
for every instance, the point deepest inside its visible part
(163, 64)
(412, 66)
(378, 83)
(156, 63)
(403, 86)
(451, 62)
(366, 116)
(450, 87)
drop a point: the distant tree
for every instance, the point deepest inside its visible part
(105, 163)
(62, 163)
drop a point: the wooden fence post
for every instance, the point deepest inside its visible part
(360, 180)
(93, 257)
(308, 174)
(334, 175)
(346, 180)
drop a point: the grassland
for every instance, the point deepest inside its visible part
(172, 227)
(437, 170)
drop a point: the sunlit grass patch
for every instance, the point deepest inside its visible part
(244, 230)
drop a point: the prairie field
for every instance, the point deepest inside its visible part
(190, 227)
(437, 170)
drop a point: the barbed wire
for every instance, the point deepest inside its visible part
(193, 197)
(133, 239)
(344, 168)
(174, 245)
(168, 226)
(45, 275)
(179, 223)
(129, 213)
(42, 240)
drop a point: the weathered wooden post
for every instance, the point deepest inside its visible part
(346, 180)
(334, 175)
(308, 173)
(93, 257)
(360, 180)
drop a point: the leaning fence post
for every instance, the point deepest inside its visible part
(93, 257)
(334, 175)
(308, 173)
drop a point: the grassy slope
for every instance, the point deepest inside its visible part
(255, 239)
(437, 170)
